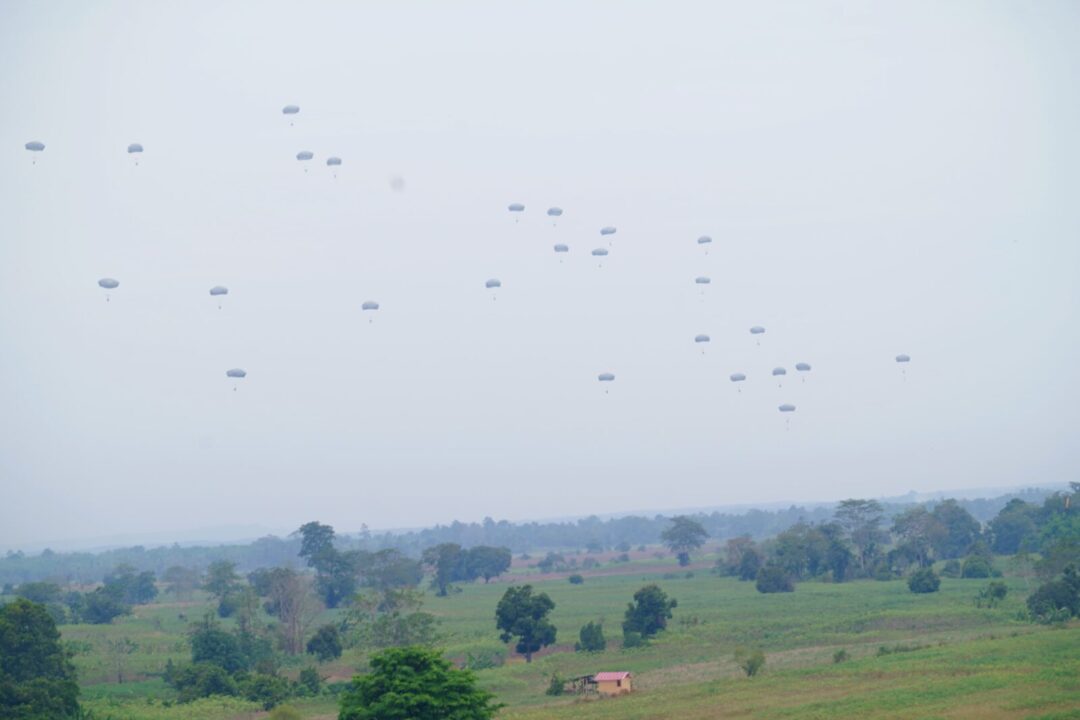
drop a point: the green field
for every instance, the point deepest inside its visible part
(956, 660)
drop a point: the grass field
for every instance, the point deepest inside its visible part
(957, 660)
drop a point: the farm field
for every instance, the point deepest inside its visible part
(949, 659)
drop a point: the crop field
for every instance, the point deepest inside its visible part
(943, 657)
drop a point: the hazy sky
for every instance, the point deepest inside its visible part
(877, 178)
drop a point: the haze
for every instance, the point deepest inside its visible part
(877, 179)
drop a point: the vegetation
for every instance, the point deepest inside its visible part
(924, 580)
(591, 638)
(750, 660)
(37, 681)
(684, 535)
(415, 684)
(649, 612)
(524, 616)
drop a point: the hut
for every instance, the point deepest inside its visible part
(613, 683)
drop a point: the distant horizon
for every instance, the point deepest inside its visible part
(194, 537)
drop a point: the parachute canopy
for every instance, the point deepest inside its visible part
(605, 377)
(561, 248)
(787, 407)
(332, 161)
(738, 377)
(515, 207)
(35, 146)
(555, 212)
(134, 148)
(369, 305)
(600, 252)
(704, 240)
(108, 283)
(219, 290)
(702, 280)
(305, 155)
(757, 330)
(701, 338)
(236, 373)
(779, 371)
(903, 358)
(493, 283)
(607, 230)
(802, 367)
(290, 109)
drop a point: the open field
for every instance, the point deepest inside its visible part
(958, 660)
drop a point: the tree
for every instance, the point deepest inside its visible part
(976, 567)
(37, 680)
(591, 638)
(211, 645)
(684, 534)
(487, 562)
(1057, 598)
(992, 595)
(101, 607)
(447, 562)
(181, 581)
(335, 572)
(919, 532)
(221, 582)
(649, 612)
(130, 587)
(415, 684)
(861, 520)
(325, 644)
(773, 579)
(924, 580)
(392, 619)
(1014, 525)
(523, 615)
(293, 604)
(961, 530)
(750, 564)
(118, 651)
(202, 680)
(751, 661)
(388, 569)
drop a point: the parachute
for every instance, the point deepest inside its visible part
(608, 230)
(108, 283)
(554, 212)
(134, 148)
(560, 248)
(369, 305)
(236, 373)
(600, 252)
(787, 407)
(701, 338)
(605, 377)
(493, 283)
(333, 161)
(515, 207)
(305, 155)
(290, 109)
(704, 240)
(802, 367)
(702, 280)
(219, 291)
(779, 372)
(738, 377)
(903, 358)
(35, 146)
(757, 330)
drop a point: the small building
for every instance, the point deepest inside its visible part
(613, 683)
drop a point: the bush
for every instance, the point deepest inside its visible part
(976, 567)
(924, 580)
(270, 690)
(951, 569)
(751, 661)
(1058, 599)
(325, 644)
(556, 686)
(576, 579)
(840, 656)
(774, 579)
(992, 594)
(285, 712)
(202, 680)
(631, 640)
(309, 683)
(485, 660)
(591, 638)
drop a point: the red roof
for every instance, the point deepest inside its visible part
(609, 676)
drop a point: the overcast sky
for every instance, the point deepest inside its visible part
(877, 179)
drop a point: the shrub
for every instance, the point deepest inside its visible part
(591, 638)
(556, 686)
(309, 683)
(270, 690)
(202, 679)
(576, 579)
(1058, 599)
(774, 579)
(284, 712)
(951, 569)
(976, 567)
(992, 594)
(485, 660)
(631, 640)
(924, 580)
(751, 661)
(840, 656)
(325, 644)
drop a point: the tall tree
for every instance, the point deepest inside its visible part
(1012, 527)
(294, 606)
(649, 612)
(919, 533)
(335, 571)
(487, 562)
(682, 536)
(447, 563)
(37, 680)
(415, 684)
(524, 616)
(961, 530)
(861, 520)
(221, 582)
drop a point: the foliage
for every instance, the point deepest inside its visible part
(391, 619)
(284, 712)
(774, 579)
(447, 563)
(130, 587)
(181, 581)
(992, 595)
(487, 562)
(1057, 598)
(415, 684)
(37, 680)
(924, 580)
(684, 535)
(649, 612)
(210, 644)
(556, 686)
(861, 521)
(750, 660)
(265, 689)
(202, 679)
(576, 579)
(101, 607)
(591, 638)
(325, 644)
(840, 656)
(523, 615)
(976, 567)
(309, 682)
(951, 569)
